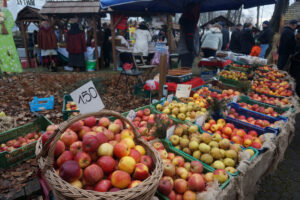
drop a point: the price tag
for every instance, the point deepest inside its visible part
(170, 131)
(252, 82)
(235, 98)
(87, 98)
(218, 70)
(183, 90)
(154, 101)
(131, 115)
(200, 120)
(170, 98)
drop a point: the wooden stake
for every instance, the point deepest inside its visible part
(162, 73)
(23, 29)
(169, 32)
(113, 42)
(96, 42)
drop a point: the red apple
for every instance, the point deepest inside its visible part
(158, 146)
(107, 163)
(141, 172)
(83, 131)
(90, 143)
(252, 133)
(51, 127)
(104, 121)
(109, 134)
(140, 113)
(120, 123)
(83, 159)
(68, 137)
(92, 174)
(114, 189)
(121, 149)
(196, 183)
(101, 138)
(46, 136)
(90, 121)
(180, 185)
(115, 128)
(147, 160)
(196, 167)
(70, 171)
(164, 187)
(76, 147)
(76, 126)
(64, 157)
(172, 195)
(103, 186)
(169, 169)
(136, 155)
(59, 148)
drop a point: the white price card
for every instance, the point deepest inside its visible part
(87, 98)
(170, 98)
(183, 90)
(131, 115)
(170, 131)
(200, 120)
(235, 98)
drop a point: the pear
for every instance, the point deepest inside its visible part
(207, 158)
(204, 148)
(216, 153)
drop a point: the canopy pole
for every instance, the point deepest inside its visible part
(169, 32)
(96, 42)
(23, 29)
(162, 73)
(113, 42)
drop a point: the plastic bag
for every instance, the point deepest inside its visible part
(151, 85)
(127, 66)
(156, 58)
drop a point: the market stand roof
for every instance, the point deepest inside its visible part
(177, 6)
(219, 19)
(29, 14)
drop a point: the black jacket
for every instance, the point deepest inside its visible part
(265, 36)
(235, 44)
(225, 34)
(246, 40)
(287, 43)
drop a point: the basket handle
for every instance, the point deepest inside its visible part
(46, 150)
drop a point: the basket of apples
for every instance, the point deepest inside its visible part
(90, 157)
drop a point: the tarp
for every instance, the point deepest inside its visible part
(176, 6)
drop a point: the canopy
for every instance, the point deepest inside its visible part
(176, 6)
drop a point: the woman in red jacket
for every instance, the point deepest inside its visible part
(76, 47)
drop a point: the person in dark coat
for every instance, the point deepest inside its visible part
(246, 39)
(76, 46)
(295, 63)
(107, 48)
(287, 44)
(225, 34)
(235, 43)
(264, 37)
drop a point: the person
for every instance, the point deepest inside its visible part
(295, 63)
(246, 39)
(287, 43)
(107, 48)
(142, 37)
(188, 45)
(9, 59)
(212, 41)
(256, 49)
(264, 38)
(235, 44)
(76, 46)
(225, 34)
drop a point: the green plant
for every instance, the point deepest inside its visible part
(245, 86)
(161, 127)
(217, 107)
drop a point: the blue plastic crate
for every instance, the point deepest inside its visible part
(39, 104)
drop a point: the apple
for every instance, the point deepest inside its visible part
(140, 113)
(147, 111)
(141, 172)
(90, 121)
(134, 183)
(104, 121)
(169, 169)
(196, 183)
(90, 143)
(77, 183)
(115, 128)
(121, 149)
(76, 147)
(114, 189)
(68, 137)
(178, 161)
(220, 175)
(164, 187)
(101, 138)
(127, 164)
(51, 127)
(147, 160)
(182, 172)
(158, 146)
(196, 167)
(127, 133)
(163, 154)
(180, 185)
(59, 148)
(92, 174)
(98, 129)
(172, 195)
(129, 141)
(46, 136)
(140, 149)
(171, 156)
(83, 159)
(65, 156)
(109, 134)
(189, 195)
(76, 126)
(209, 177)
(83, 131)
(105, 149)
(179, 197)
(107, 164)
(252, 133)
(120, 179)
(103, 186)
(135, 154)
(69, 171)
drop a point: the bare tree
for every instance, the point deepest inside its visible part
(280, 8)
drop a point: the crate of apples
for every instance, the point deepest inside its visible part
(234, 133)
(183, 177)
(234, 75)
(100, 155)
(269, 100)
(255, 107)
(226, 94)
(273, 89)
(71, 105)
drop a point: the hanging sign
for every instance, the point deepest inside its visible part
(183, 90)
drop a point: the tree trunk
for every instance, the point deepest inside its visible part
(280, 8)
(257, 17)
(240, 15)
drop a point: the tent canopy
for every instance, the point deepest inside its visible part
(176, 6)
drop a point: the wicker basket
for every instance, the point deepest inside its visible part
(64, 190)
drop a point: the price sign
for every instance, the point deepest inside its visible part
(218, 70)
(200, 120)
(235, 98)
(183, 90)
(131, 115)
(170, 131)
(87, 98)
(154, 101)
(170, 98)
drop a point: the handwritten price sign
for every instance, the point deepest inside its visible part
(87, 98)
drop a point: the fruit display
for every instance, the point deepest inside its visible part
(145, 122)
(272, 88)
(269, 100)
(213, 150)
(234, 75)
(190, 111)
(265, 68)
(20, 141)
(205, 91)
(183, 179)
(71, 105)
(255, 107)
(273, 75)
(222, 129)
(100, 155)
(241, 65)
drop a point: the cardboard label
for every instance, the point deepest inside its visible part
(87, 98)
(131, 115)
(170, 131)
(183, 90)
(200, 120)
(170, 98)
(235, 98)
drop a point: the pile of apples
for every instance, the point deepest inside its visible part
(144, 119)
(273, 75)
(235, 135)
(269, 100)
(275, 89)
(234, 75)
(226, 94)
(71, 105)
(257, 122)
(182, 180)
(213, 150)
(13, 144)
(190, 111)
(100, 155)
(265, 68)
(267, 111)
(242, 66)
